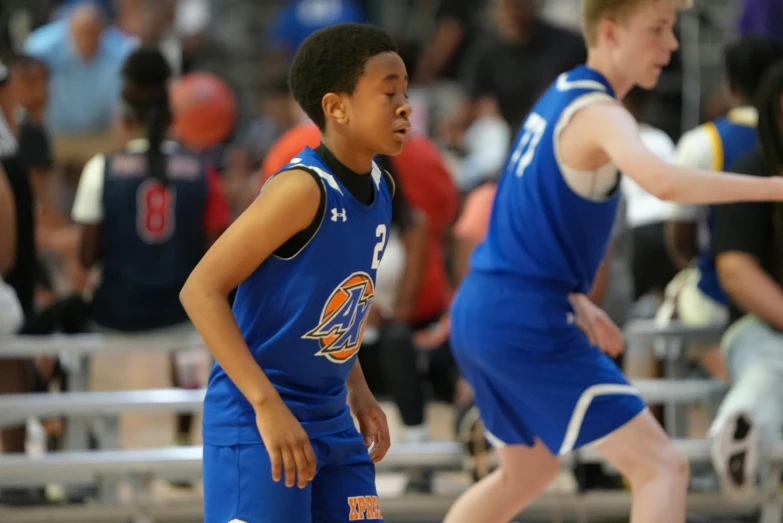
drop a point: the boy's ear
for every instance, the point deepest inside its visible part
(333, 107)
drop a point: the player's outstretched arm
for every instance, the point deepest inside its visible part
(613, 130)
(287, 205)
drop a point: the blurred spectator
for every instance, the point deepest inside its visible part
(21, 275)
(457, 27)
(646, 215)
(278, 112)
(526, 55)
(747, 242)
(129, 221)
(83, 57)
(18, 18)
(66, 7)
(147, 240)
(437, 71)
(17, 257)
(29, 83)
(178, 27)
(11, 313)
(482, 148)
(301, 18)
(696, 296)
(56, 236)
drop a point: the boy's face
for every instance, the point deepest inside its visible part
(645, 41)
(29, 85)
(378, 111)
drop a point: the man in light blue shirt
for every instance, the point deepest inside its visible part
(84, 58)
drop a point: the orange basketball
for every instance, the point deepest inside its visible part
(204, 110)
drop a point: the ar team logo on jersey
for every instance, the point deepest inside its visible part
(343, 317)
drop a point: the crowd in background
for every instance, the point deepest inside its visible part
(475, 68)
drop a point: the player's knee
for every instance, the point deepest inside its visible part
(666, 463)
(677, 464)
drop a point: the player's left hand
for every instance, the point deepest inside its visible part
(597, 326)
(373, 426)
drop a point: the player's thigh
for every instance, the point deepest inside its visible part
(569, 394)
(238, 488)
(344, 489)
(346, 493)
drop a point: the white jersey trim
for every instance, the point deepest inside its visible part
(323, 176)
(88, 204)
(592, 185)
(578, 415)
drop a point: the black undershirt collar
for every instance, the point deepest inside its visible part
(359, 185)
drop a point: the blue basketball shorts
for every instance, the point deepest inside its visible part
(238, 485)
(535, 375)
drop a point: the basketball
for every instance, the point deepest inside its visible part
(204, 110)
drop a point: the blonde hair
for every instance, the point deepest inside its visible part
(594, 11)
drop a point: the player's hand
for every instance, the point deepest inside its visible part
(287, 443)
(597, 326)
(373, 426)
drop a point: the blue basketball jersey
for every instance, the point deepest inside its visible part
(303, 317)
(542, 233)
(731, 140)
(152, 238)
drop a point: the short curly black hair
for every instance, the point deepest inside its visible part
(332, 61)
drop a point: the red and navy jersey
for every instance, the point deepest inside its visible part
(303, 315)
(152, 236)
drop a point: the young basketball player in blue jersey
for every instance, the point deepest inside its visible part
(280, 444)
(533, 347)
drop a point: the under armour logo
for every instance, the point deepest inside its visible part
(340, 214)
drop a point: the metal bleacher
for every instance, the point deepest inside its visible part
(138, 467)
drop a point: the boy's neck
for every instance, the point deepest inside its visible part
(354, 158)
(600, 62)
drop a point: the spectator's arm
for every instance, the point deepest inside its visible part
(448, 34)
(217, 216)
(7, 225)
(414, 239)
(446, 38)
(88, 210)
(750, 287)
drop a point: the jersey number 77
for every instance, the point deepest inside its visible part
(534, 128)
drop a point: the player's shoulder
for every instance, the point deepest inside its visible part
(295, 180)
